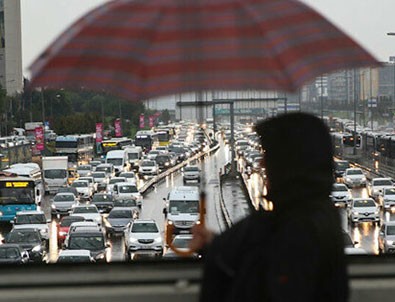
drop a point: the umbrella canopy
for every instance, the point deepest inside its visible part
(139, 49)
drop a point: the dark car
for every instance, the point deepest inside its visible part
(29, 240)
(89, 239)
(128, 203)
(119, 220)
(164, 161)
(340, 167)
(103, 201)
(13, 254)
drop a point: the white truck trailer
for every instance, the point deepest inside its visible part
(55, 172)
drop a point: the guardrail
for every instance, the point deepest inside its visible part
(174, 169)
(225, 214)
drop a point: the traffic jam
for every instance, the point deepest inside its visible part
(74, 207)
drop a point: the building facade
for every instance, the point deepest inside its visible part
(11, 76)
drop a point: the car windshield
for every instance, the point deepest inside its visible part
(80, 184)
(125, 203)
(144, 227)
(73, 259)
(191, 169)
(23, 236)
(127, 174)
(339, 165)
(91, 243)
(102, 197)
(85, 210)
(84, 168)
(115, 161)
(384, 182)
(104, 169)
(390, 229)
(116, 180)
(184, 206)
(63, 197)
(364, 203)
(132, 156)
(148, 163)
(339, 189)
(389, 191)
(120, 214)
(67, 221)
(55, 173)
(128, 189)
(354, 172)
(30, 219)
(98, 174)
(9, 253)
(162, 158)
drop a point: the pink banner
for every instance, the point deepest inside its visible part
(99, 132)
(118, 128)
(142, 124)
(151, 121)
(39, 134)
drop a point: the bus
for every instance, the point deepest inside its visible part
(146, 139)
(343, 143)
(17, 193)
(78, 148)
(116, 143)
(164, 137)
(14, 149)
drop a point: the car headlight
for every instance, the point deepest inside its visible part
(158, 239)
(61, 233)
(355, 213)
(376, 212)
(390, 242)
(363, 178)
(170, 222)
(99, 256)
(43, 231)
(133, 240)
(98, 219)
(53, 206)
(166, 164)
(1, 213)
(36, 249)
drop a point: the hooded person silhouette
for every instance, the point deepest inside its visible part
(296, 251)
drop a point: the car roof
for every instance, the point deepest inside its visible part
(392, 222)
(381, 178)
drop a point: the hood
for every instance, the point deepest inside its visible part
(389, 198)
(145, 235)
(365, 209)
(42, 226)
(298, 159)
(64, 204)
(119, 221)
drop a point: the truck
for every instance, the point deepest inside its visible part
(55, 172)
(30, 128)
(134, 155)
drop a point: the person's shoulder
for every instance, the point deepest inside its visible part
(253, 224)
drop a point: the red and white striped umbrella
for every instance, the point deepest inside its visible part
(139, 49)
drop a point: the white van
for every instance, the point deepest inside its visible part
(134, 156)
(119, 160)
(182, 209)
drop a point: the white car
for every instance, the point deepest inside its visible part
(153, 154)
(126, 190)
(89, 212)
(148, 167)
(130, 176)
(387, 199)
(113, 181)
(91, 182)
(33, 220)
(143, 238)
(340, 194)
(83, 188)
(84, 170)
(354, 177)
(377, 185)
(191, 173)
(75, 256)
(364, 210)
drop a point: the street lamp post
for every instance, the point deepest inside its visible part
(393, 96)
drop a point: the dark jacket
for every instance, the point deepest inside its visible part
(296, 257)
(296, 252)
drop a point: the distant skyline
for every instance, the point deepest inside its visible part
(367, 21)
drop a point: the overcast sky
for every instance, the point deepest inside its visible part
(367, 21)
